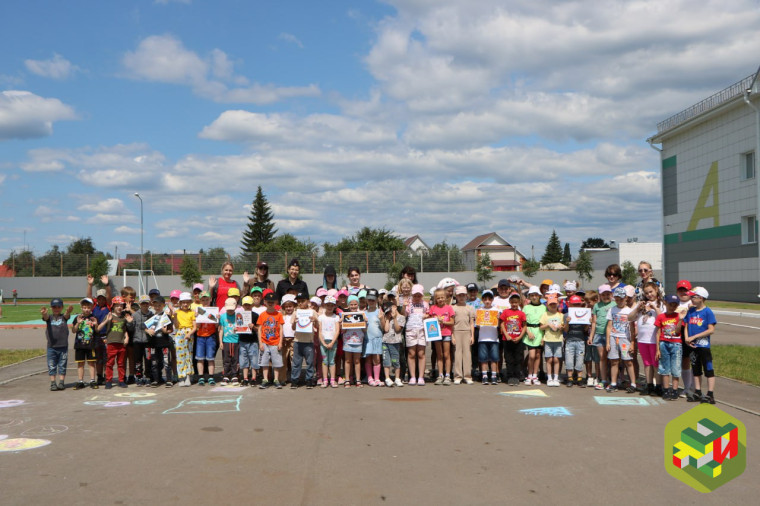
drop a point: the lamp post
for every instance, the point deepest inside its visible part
(141, 242)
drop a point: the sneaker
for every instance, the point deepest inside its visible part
(457, 381)
(235, 380)
(278, 385)
(704, 399)
(169, 384)
(201, 382)
(61, 386)
(495, 380)
(122, 384)
(399, 383)
(447, 381)
(681, 393)
(485, 379)
(309, 385)
(711, 399)
(79, 385)
(590, 382)
(389, 382)
(611, 388)
(333, 383)
(412, 381)
(53, 386)
(324, 383)
(264, 385)
(579, 382)
(154, 384)
(109, 385)
(244, 383)
(515, 382)
(211, 382)
(599, 385)
(536, 381)
(421, 382)
(528, 380)
(468, 381)
(630, 389)
(439, 381)
(293, 385)
(131, 380)
(692, 398)
(138, 382)
(225, 381)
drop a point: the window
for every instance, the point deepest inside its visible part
(749, 229)
(748, 165)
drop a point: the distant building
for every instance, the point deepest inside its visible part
(556, 266)
(504, 256)
(416, 244)
(633, 252)
(711, 192)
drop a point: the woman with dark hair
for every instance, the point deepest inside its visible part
(408, 272)
(354, 280)
(260, 278)
(614, 276)
(330, 278)
(293, 281)
(219, 288)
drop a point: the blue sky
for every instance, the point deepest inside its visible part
(446, 119)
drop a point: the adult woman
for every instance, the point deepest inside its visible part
(647, 276)
(330, 278)
(293, 281)
(409, 273)
(220, 287)
(354, 280)
(260, 278)
(614, 276)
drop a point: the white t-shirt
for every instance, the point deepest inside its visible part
(327, 326)
(287, 328)
(488, 334)
(646, 331)
(500, 304)
(619, 318)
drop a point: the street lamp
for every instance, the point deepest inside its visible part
(141, 241)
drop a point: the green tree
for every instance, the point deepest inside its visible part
(22, 263)
(49, 264)
(530, 267)
(368, 239)
(629, 273)
(98, 267)
(288, 243)
(566, 256)
(260, 230)
(553, 253)
(444, 257)
(484, 269)
(584, 266)
(594, 242)
(212, 260)
(189, 272)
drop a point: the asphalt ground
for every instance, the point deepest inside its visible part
(426, 445)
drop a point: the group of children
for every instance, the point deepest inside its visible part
(266, 342)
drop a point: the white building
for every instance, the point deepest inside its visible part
(633, 252)
(710, 192)
(504, 256)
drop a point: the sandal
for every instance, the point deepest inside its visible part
(333, 383)
(346, 385)
(359, 384)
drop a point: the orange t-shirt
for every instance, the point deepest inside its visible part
(270, 324)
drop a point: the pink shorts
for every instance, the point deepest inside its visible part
(415, 337)
(648, 353)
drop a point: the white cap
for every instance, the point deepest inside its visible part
(288, 297)
(316, 300)
(330, 300)
(185, 296)
(382, 291)
(570, 285)
(230, 303)
(447, 282)
(699, 290)
(534, 289)
(553, 289)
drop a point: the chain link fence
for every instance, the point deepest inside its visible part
(26, 264)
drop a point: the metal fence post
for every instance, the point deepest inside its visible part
(448, 259)
(61, 264)
(367, 252)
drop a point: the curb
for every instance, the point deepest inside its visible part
(740, 314)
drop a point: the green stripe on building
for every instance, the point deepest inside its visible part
(704, 234)
(669, 163)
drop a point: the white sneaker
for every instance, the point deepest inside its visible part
(527, 380)
(536, 381)
(457, 381)
(399, 383)
(590, 382)
(468, 381)
(388, 382)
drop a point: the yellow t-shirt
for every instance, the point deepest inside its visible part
(553, 336)
(185, 319)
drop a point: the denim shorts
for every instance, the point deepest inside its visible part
(574, 350)
(269, 352)
(488, 352)
(391, 355)
(552, 350)
(57, 360)
(599, 340)
(592, 354)
(328, 354)
(248, 355)
(670, 359)
(205, 348)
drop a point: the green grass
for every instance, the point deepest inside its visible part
(22, 313)
(8, 357)
(738, 362)
(717, 304)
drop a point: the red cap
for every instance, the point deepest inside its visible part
(684, 283)
(267, 291)
(117, 300)
(575, 299)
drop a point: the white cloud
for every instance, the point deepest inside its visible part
(108, 206)
(48, 214)
(126, 230)
(61, 239)
(164, 58)
(24, 115)
(289, 37)
(57, 67)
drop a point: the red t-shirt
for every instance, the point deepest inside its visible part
(670, 325)
(270, 327)
(447, 313)
(222, 287)
(514, 321)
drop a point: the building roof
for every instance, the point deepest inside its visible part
(6, 272)
(410, 240)
(476, 243)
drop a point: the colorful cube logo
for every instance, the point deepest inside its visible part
(705, 448)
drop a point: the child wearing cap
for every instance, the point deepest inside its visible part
(394, 334)
(463, 337)
(248, 343)
(269, 326)
(230, 341)
(513, 328)
(184, 322)
(669, 350)
(57, 336)
(140, 341)
(699, 326)
(161, 344)
(373, 348)
(115, 327)
(488, 344)
(130, 307)
(288, 303)
(534, 336)
(416, 311)
(353, 341)
(619, 342)
(207, 342)
(577, 333)
(83, 328)
(304, 323)
(329, 330)
(552, 324)
(599, 324)
(687, 377)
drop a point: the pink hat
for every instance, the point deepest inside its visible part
(418, 289)
(605, 288)
(174, 294)
(198, 286)
(332, 292)
(630, 290)
(342, 292)
(321, 292)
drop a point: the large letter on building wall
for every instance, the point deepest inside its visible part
(701, 211)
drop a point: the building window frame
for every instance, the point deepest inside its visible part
(748, 166)
(749, 229)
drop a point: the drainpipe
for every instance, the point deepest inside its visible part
(662, 212)
(757, 153)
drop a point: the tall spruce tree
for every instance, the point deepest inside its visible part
(566, 256)
(260, 230)
(553, 253)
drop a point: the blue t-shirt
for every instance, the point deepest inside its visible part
(475, 304)
(697, 322)
(228, 328)
(100, 312)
